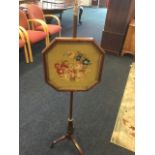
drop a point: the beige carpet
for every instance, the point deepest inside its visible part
(124, 130)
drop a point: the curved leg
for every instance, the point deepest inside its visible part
(59, 140)
(76, 144)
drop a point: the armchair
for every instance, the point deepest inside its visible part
(31, 36)
(35, 12)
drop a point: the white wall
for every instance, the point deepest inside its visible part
(82, 2)
(86, 2)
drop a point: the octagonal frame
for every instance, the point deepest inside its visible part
(79, 40)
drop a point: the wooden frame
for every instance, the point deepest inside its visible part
(73, 64)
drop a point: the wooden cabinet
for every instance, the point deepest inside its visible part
(119, 14)
(129, 44)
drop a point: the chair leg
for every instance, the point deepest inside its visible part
(47, 40)
(30, 51)
(80, 14)
(26, 54)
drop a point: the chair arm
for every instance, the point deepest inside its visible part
(23, 30)
(21, 35)
(43, 24)
(26, 36)
(53, 16)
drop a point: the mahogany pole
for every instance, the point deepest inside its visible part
(75, 18)
(71, 105)
(70, 117)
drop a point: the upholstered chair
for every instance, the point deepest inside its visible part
(35, 12)
(31, 36)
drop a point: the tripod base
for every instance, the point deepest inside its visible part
(68, 135)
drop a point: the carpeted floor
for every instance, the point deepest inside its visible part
(44, 111)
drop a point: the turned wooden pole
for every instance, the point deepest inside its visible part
(75, 18)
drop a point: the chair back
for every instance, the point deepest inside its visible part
(23, 20)
(35, 12)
